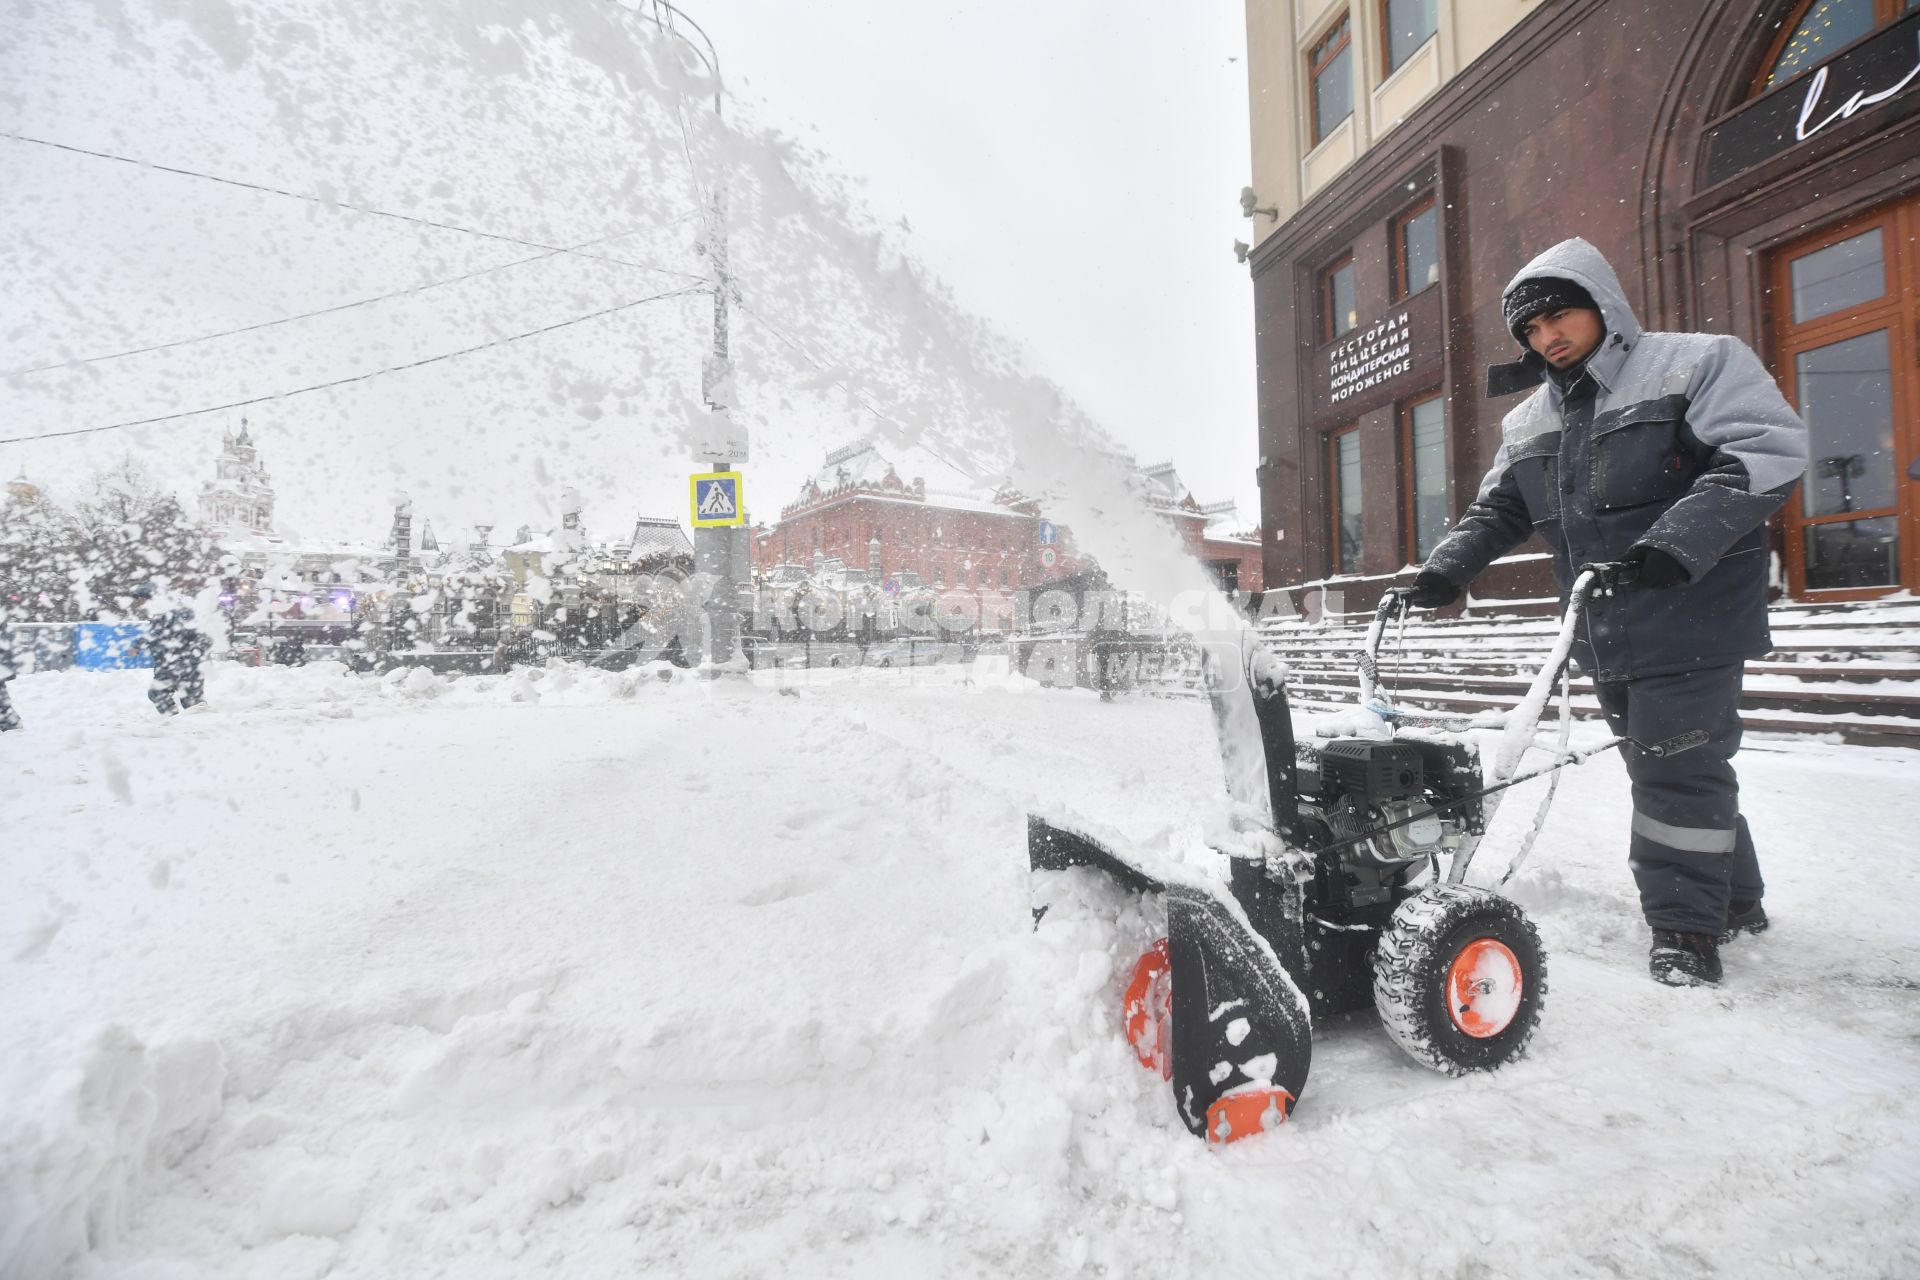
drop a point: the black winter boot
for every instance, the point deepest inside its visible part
(1684, 959)
(1744, 917)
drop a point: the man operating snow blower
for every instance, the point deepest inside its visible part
(1667, 452)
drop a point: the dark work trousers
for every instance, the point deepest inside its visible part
(1691, 852)
(160, 692)
(193, 685)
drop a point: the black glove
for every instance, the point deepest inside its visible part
(1431, 591)
(1653, 568)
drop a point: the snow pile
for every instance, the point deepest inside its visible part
(709, 981)
(527, 1075)
(415, 683)
(77, 1148)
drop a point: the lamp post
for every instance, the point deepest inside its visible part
(720, 552)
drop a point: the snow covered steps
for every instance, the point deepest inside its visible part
(1850, 670)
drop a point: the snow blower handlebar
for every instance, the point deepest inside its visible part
(1397, 602)
(1606, 577)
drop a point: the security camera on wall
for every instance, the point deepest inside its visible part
(1250, 205)
(1240, 251)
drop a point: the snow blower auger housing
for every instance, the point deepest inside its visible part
(1348, 896)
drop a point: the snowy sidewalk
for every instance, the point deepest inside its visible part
(585, 974)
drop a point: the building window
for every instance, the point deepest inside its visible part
(1339, 312)
(1416, 250)
(1424, 445)
(1839, 277)
(1820, 29)
(1409, 24)
(1841, 344)
(1343, 472)
(1330, 72)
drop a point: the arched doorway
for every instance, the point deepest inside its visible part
(1782, 204)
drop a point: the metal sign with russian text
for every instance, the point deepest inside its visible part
(1386, 359)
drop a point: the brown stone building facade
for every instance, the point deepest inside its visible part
(1749, 166)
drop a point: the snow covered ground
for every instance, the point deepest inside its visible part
(582, 974)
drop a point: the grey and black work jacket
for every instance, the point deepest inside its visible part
(172, 640)
(1680, 441)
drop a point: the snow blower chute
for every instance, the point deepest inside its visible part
(1347, 891)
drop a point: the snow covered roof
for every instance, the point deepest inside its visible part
(1164, 487)
(864, 467)
(253, 542)
(863, 464)
(559, 538)
(1225, 511)
(657, 536)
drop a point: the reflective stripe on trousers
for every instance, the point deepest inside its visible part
(1689, 839)
(1690, 849)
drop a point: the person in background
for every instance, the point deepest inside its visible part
(1664, 452)
(9, 717)
(177, 649)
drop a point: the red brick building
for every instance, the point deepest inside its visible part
(860, 515)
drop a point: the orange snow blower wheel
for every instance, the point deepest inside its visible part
(1484, 987)
(1147, 1010)
(1241, 1115)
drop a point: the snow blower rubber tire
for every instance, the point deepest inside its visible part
(1459, 977)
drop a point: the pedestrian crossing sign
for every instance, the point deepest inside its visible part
(719, 498)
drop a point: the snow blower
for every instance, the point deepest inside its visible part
(1345, 889)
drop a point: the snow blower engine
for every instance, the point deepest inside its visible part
(1345, 891)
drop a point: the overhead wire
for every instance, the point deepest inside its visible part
(663, 18)
(683, 291)
(325, 202)
(701, 282)
(693, 178)
(889, 418)
(308, 315)
(818, 366)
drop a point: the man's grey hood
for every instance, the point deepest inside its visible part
(1586, 266)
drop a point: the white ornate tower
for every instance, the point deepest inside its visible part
(22, 490)
(241, 494)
